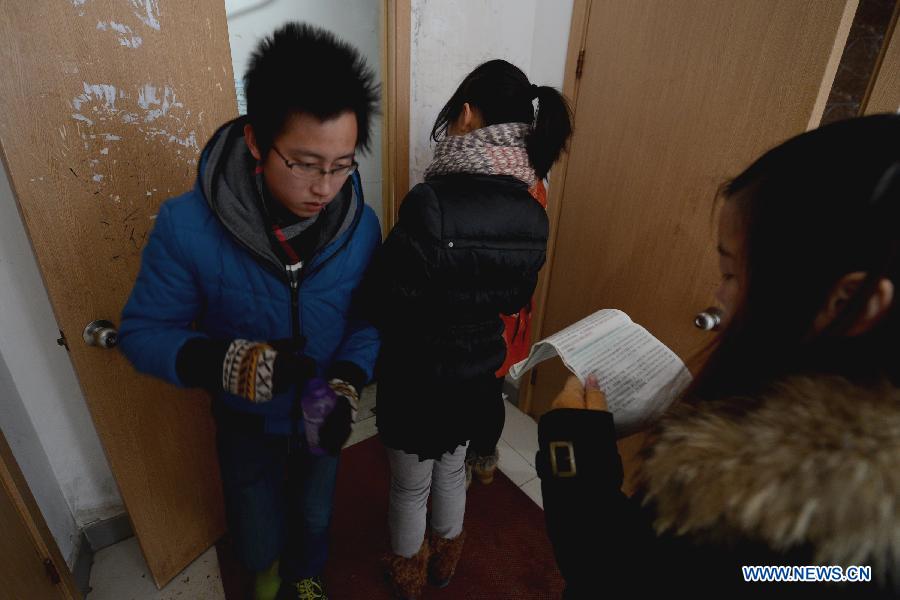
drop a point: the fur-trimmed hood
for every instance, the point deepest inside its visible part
(814, 462)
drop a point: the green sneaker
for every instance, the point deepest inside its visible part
(310, 588)
(267, 583)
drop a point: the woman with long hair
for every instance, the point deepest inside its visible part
(785, 451)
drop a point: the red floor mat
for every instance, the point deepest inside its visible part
(507, 554)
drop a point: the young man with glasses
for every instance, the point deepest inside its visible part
(245, 289)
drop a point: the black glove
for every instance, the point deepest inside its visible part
(291, 368)
(335, 429)
(254, 370)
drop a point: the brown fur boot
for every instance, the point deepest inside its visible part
(444, 557)
(486, 466)
(408, 575)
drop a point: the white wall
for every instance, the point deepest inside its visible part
(39, 395)
(452, 37)
(355, 21)
(552, 21)
(31, 458)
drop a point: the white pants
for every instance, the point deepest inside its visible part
(411, 482)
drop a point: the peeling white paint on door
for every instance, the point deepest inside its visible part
(125, 34)
(188, 141)
(96, 91)
(155, 106)
(79, 4)
(151, 111)
(147, 11)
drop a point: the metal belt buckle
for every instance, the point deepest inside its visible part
(562, 464)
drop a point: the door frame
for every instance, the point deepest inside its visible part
(395, 59)
(883, 93)
(16, 489)
(581, 10)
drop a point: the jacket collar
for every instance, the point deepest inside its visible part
(813, 462)
(226, 179)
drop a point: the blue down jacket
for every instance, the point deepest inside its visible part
(209, 270)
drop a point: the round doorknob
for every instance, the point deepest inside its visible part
(101, 333)
(709, 319)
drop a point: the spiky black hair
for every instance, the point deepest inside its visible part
(304, 69)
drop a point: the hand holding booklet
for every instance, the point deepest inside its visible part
(639, 374)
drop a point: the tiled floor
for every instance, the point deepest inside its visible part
(119, 572)
(518, 446)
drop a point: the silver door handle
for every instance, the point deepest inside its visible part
(101, 333)
(709, 320)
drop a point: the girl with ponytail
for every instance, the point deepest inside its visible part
(464, 256)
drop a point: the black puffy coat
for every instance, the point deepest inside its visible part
(804, 474)
(465, 249)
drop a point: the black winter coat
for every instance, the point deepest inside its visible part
(465, 249)
(807, 474)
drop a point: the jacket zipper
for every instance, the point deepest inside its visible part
(294, 273)
(295, 276)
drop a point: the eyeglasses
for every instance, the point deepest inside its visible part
(311, 172)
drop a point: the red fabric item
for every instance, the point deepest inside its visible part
(539, 191)
(507, 553)
(517, 327)
(517, 335)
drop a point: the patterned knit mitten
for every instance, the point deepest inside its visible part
(249, 370)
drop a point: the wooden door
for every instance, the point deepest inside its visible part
(884, 89)
(31, 565)
(104, 107)
(672, 99)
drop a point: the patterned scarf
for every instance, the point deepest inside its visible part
(492, 150)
